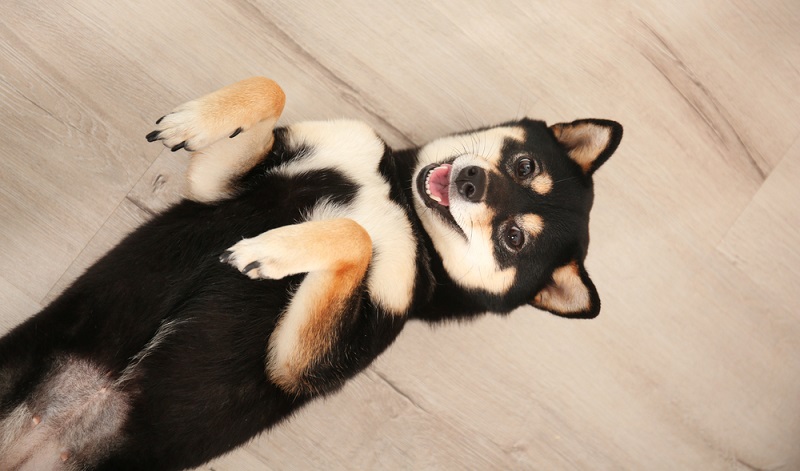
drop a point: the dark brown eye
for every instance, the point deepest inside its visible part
(525, 167)
(514, 237)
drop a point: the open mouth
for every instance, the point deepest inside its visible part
(437, 184)
(433, 186)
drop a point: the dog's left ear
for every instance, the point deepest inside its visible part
(589, 142)
(570, 293)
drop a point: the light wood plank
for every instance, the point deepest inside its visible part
(652, 385)
(49, 207)
(50, 99)
(163, 184)
(16, 306)
(763, 241)
(743, 56)
(369, 425)
(192, 60)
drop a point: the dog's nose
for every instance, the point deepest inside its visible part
(471, 183)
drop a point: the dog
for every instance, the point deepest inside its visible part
(296, 259)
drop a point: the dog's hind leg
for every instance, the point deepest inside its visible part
(228, 132)
(335, 253)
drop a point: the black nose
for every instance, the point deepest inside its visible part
(471, 183)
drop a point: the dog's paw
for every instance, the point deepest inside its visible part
(258, 258)
(190, 127)
(224, 113)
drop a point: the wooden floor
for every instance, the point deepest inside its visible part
(694, 362)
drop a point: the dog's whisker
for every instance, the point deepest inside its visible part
(464, 113)
(564, 180)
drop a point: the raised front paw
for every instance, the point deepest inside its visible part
(258, 258)
(222, 114)
(187, 127)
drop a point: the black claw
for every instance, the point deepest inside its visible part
(179, 146)
(251, 266)
(236, 133)
(153, 136)
(226, 255)
(161, 119)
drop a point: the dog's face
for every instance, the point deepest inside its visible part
(507, 209)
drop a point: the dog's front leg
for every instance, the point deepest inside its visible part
(335, 253)
(228, 132)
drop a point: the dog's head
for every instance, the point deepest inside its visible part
(507, 209)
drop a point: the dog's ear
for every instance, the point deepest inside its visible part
(589, 142)
(570, 293)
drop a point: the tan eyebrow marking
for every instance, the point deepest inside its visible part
(533, 224)
(542, 183)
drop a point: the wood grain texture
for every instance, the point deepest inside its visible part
(16, 306)
(694, 362)
(762, 242)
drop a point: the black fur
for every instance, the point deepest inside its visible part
(205, 391)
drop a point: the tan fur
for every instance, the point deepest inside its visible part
(212, 169)
(542, 183)
(390, 281)
(249, 108)
(335, 253)
(242, 104)
(584, 142)
(566, 293)
(481, 219)
(533, 224)
(342, 249)
(254, 105)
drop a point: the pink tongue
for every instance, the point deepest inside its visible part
(440, 183)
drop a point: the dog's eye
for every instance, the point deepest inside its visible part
(514, 237)
(525, 167)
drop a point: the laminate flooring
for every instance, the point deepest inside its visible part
(694, 362)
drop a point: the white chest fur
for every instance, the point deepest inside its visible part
(353, 148)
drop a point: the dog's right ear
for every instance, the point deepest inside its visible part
(589, 142)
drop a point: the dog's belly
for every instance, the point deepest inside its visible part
(74, 414)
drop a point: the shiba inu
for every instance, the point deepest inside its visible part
(296, 259)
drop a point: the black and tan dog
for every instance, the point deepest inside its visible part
(163, 355)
